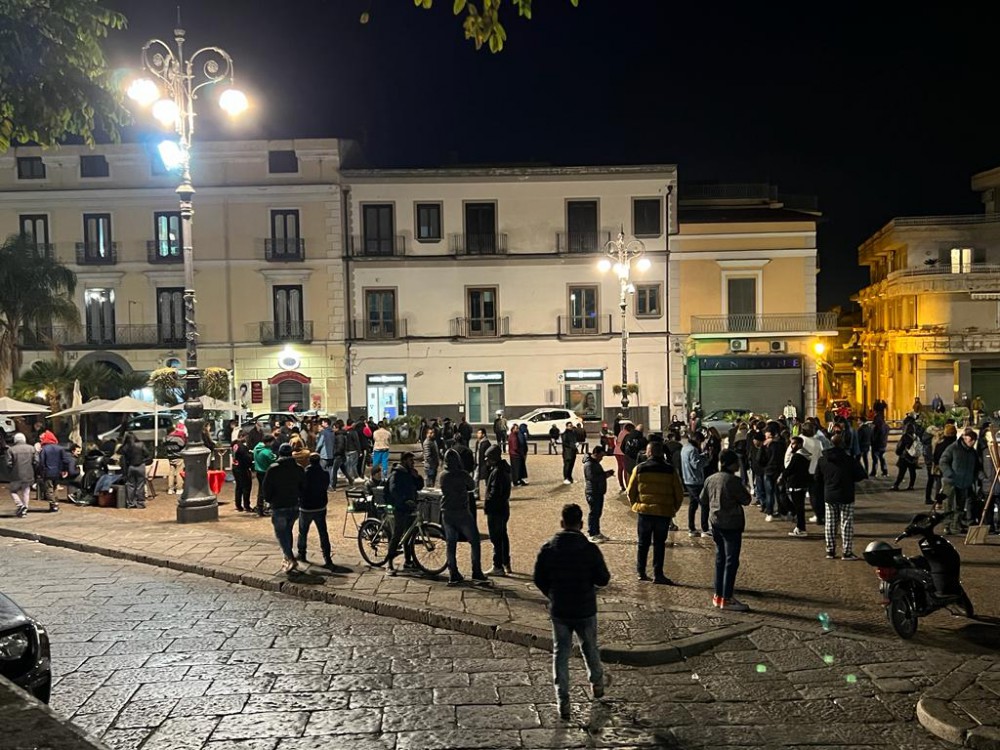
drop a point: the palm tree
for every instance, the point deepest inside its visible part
(36, 291)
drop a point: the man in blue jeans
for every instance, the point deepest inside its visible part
(569, 569)
(281, 489)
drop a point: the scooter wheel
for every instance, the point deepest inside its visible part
(902, 613)
(965, 604)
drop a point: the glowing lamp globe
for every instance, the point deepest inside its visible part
(819, 347)
(604, 265)
(233, 102)
(143, 91)
(644, 264)
(166, 111)
(171, 154)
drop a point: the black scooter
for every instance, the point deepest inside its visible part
(913, 587)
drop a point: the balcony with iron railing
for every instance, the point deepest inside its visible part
(770, 323)
(378, 330)
(479, 244)
(364, 246)
(284, 249)
(96, 253)
(276, 332)
(480, 328)
(123, 336)
(164, 251)
(42, 249)
(582, 242)
(576, 326)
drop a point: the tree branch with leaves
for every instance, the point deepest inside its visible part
(484, 26)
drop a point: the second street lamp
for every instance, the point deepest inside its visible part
(620, 255)
(182, 78)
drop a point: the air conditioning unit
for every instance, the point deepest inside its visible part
(739, 345)
(779, 346)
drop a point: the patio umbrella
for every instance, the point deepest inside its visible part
(74, 434)
(129, 405)
(81, 408)
(210, 404)
(13, 406)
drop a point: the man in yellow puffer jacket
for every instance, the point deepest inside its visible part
(656, 494)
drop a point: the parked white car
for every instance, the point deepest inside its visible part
(143, 426)
(540, 421)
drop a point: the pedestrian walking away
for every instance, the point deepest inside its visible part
(173, 446)
(595, 488)
(21, 460)
(908, 451)
(569, 452)
(500, 431)
(568, 571)
(655, 494)
(381, 440)
(282, 490)
(496, 505)
(693, 463)
(836, 475)
(516, 454)
(312, 512)
(456, 486)
(134, 457)
(726, 496)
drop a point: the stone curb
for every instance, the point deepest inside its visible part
(939, 715)
(491, 629)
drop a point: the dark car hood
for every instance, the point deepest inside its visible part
(11, 616)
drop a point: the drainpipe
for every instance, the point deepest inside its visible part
(345, 206)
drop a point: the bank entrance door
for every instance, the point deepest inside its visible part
(484, 396)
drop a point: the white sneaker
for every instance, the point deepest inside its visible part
(734, 605)
(566, 481)
(797, 532)
(813, 519)
(596, 538)
(769, 518)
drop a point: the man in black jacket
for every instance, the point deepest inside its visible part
(496, 505)
(568, 570)
(836, 475)
(568, 452)
(595, 488)
(771, 462)
(281, 489)
(401, 491)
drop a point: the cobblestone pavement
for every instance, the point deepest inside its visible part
(156, 659)
(782, 578)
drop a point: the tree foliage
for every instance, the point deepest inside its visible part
(36, 291)
(484, 26)
(54, 79)
(168, 384)
(56, 378)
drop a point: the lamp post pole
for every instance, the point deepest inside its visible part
(620, 254)
(182, 78)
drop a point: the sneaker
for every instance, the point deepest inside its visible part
(664, 581)
(692, 533)
(734, 605)
(798, 532)
(717, 601)
(831, 555)
(566, 481)
(849, 557)
(301, 557)
(813, 519)
(390, 570)
(495, 571)
(564, 709)
(641, 577)
(769, 517)
(480, 577)
(596, 538)
(53, 507)
(707, 533)
(456, 581)
(600, 687)
(21, 512)
(674, 526)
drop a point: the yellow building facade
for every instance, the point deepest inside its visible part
(743, 301)
(268, 258)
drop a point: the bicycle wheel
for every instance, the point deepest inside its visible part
(429, 551)
(373, 541)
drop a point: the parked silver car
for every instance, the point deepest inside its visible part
(143, 426)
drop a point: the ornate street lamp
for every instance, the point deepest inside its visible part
(182, 78)
(620, 255)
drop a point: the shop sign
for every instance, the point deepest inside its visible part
(256, 392)
(484, 377)
(715, 364)
(577, 375)
(385, 379)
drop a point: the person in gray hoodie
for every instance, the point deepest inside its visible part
(456, 484)
(21, 459)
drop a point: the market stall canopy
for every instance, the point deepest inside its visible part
(13, 406)
(210, 404)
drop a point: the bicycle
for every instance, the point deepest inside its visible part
(423, 541)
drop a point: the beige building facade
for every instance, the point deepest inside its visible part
(268, 246)
(932, 310)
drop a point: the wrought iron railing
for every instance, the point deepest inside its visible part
(96, 253)
(378, 329)
(125, 335)
(284, 249)
(582, 242)
(768, 323)
(364, 246)
(480, 328)
(164, 251)
(273, 332)
(479, 244)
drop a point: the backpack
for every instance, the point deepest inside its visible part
(914, 450)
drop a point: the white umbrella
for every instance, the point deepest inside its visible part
(81, 408)
(74, 434)
(13, 406)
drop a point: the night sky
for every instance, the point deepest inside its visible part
(877, 112)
